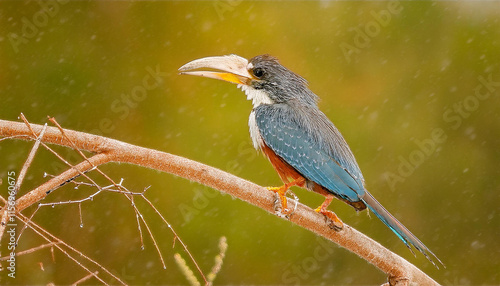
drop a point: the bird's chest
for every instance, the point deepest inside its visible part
(254, 132)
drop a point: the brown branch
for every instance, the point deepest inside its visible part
(120, 188)
(43, 190)
(400, 271)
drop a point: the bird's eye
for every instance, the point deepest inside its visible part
(258, 72)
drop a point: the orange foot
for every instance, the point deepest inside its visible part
(335, 222)
(281, 192)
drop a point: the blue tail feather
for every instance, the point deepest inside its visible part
(398, 228)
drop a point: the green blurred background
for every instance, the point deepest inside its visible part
(389, 74)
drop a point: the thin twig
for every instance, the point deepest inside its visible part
(127, 193)
(58, 243)
(153, 239)
(83, 279)
(21, 175)
(119, 186)
(27, 164)
(73, 145)
(31, 250)
(176, 237)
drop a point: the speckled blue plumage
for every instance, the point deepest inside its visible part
(305, 139)
(315, 148)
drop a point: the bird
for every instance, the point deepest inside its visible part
(302, 144)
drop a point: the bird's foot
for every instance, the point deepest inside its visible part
(281, 208)
(334, 221)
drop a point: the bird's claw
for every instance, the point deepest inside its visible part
(279, 210)
(332, 219)
(280, 204)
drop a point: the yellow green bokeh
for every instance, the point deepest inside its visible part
(389, 74)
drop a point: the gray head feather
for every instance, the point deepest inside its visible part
(281, 84)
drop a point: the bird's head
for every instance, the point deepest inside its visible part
(262, 78)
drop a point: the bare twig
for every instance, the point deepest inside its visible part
(27, 164)
(59, 245)
(109, 150)
(176, 237)
(119, 186)
(21, 176)
(31, 250)
(83, 279)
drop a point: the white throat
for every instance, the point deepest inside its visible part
(257, 97)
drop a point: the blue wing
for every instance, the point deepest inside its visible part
(304, 146)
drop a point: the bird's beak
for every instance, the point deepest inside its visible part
(231, 68)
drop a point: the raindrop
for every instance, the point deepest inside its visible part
(53, 205)
(81, 225)
(142, 247)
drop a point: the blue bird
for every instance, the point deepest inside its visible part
(302, 144)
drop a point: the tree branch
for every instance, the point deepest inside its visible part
(399, 270)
